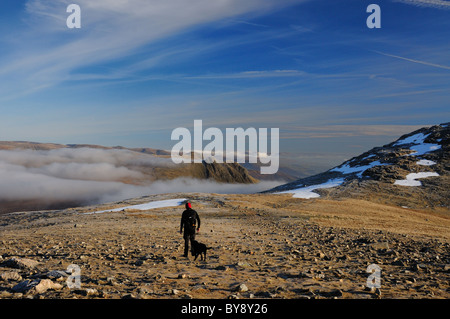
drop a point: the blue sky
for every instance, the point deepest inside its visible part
(138, 69)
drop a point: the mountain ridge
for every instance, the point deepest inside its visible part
(37, 176)
(251, 172)
(223, 172)
(389, 173)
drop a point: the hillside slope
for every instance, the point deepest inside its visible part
(412, 171)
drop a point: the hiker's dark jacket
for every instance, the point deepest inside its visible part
(188, 218)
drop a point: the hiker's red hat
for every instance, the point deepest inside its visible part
(188, 205)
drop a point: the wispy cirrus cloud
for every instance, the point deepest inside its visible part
(252, 74)
(440, 66)
(337, 131)
(438, 4)
(111, 30)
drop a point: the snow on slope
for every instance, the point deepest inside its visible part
(384, 164)
(419, 146)
(418, 138)
(147, 206)
(346, 169)
(424, 162)
(307, 192)
(411, 179)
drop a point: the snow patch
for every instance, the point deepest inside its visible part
(307, 192)
(146, 206)
(420, 147)
(424, 148)
(411, 179)
(346, 169)
(418, 138)
(367, 157)
(424, 162)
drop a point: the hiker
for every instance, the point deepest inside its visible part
(189, 219)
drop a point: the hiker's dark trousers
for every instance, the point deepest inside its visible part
(188, 237)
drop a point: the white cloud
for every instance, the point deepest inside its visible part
(92, 176)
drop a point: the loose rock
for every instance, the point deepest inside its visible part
(241, 288)
(22, 263)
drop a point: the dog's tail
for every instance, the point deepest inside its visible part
(208, 248)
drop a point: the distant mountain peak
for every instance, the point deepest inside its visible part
(420, 158)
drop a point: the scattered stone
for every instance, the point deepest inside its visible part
(39, 286)
(381, 245)
(21, 263)
(56, 274)
(111, 280)
(145, 290)
(333, 293)
(91, 291)
(336, 293)
(241, 288)
(139, 262)
(11, 275)
(223, 268)
(6, 294)
(398, 262)
(25, 285)
(243, 264)
(46, 284)
(369, 289)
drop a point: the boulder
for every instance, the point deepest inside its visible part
(25, 286)
(38, 286)
(11, 275)
(46, 284)
(22, 263)
(241, 288)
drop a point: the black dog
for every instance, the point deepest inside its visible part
(199, 249)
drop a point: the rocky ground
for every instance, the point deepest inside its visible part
(264, 246)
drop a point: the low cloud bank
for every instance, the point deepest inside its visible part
(92, 176)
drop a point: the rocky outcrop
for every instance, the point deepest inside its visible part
(227, 173)
(374, 174)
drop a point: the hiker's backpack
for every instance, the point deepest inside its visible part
(190, 221)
